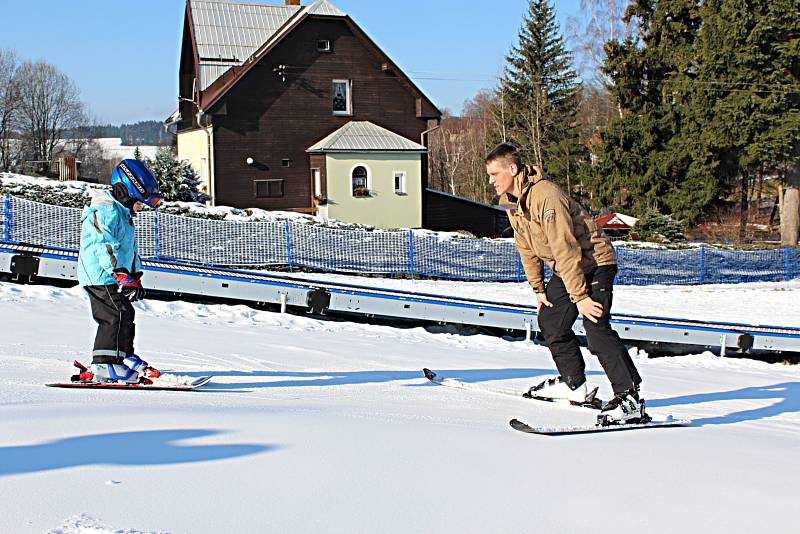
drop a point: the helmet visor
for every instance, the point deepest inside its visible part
(154, 200)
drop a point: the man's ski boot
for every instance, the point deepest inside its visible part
(623, 408)
(564, 389)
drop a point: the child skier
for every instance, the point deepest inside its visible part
(109, 269)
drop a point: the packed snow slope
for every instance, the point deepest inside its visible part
(312, 426)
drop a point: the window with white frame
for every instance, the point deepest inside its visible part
(342, 98)
(360, 181)
(400, 182)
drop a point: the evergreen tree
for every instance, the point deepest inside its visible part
(650, 158)
(176, 179)
(750, 61)
(539, 97)
(137, 154)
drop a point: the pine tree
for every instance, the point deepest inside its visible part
(650, 158)
(137, 154)
(177, 180)
(540, 96)
(750, 61)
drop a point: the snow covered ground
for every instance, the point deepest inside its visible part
(116, 150)
(314, 426)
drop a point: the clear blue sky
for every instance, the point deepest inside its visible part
(123, 55)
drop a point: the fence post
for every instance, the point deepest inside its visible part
(7, 218)
(702, 262)
(788, 264)
(288, 244)
(156, 230)
(411, 252)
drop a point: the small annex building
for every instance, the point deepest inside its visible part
(366, 174)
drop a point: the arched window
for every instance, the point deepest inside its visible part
(359, 182)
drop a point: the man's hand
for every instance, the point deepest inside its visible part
(541, 300)
(129, 284)
(590, 309)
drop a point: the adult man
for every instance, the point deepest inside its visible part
(551, 227)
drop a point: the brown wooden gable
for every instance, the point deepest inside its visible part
(425, 109)
(188, 73)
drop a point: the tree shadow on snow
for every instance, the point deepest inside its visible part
(786, 396)
(338, 378)
(147, 447)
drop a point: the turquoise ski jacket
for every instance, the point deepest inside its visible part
(108, 241)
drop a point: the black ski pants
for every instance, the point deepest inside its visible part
(114, 315)
(556, 326)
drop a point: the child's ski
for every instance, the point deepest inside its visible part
(194, 384)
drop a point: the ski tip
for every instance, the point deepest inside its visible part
(201, 381)
(430, 375)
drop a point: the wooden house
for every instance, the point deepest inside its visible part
(272, 98)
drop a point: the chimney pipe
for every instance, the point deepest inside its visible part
(292, 2)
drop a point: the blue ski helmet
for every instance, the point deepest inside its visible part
(140, 185)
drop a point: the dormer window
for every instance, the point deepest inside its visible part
(324, 45)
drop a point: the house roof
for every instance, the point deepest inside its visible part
(230, 38)
(228, 33)
(364, 136)
(462, 199)
(616, 221)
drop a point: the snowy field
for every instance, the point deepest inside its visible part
(329, 427)
(116, 150)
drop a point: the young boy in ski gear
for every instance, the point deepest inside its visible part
(109, 269)
(551, 227)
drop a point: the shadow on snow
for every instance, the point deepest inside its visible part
(786, 396)
(151, 447)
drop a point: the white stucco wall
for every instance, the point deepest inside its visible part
(193, 146)
(383, 208)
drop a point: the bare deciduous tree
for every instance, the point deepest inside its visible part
(458, 149)
(49, 104)
(9, 103)
(600, 22)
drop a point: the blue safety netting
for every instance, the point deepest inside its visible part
(414, 253)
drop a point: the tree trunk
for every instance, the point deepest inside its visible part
(743, 209)
(790, 217)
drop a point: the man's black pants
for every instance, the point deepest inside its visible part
(115, 329)
(556, 326)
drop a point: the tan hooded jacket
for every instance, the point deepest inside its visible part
(550, 226)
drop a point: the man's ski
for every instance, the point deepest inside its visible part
(194, 384)
(516, 424)
(592, 402)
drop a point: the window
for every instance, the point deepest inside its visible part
(342, 99)
(286, 162)
(400, 182)
(269, 188)
(315, 173)
(323, 45)
(360, 181)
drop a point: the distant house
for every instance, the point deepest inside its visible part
(616, 224)
(280, 104)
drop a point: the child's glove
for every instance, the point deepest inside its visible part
(129, 284)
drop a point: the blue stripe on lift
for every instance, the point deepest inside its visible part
(422, 298)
